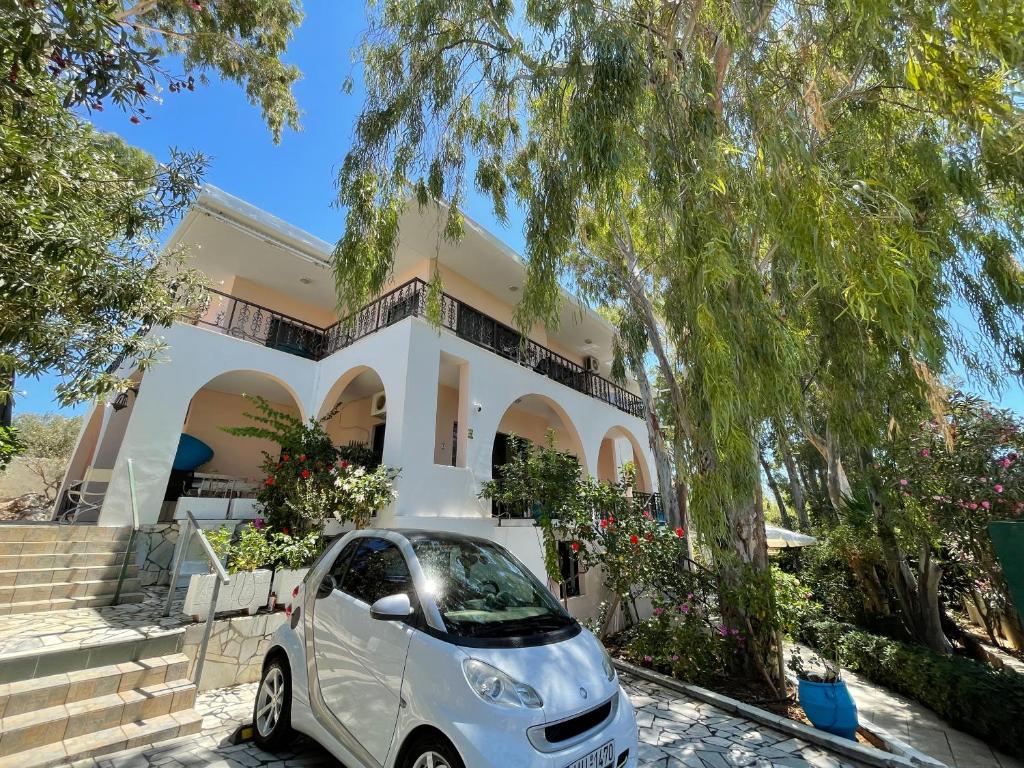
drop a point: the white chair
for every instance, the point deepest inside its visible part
(84, 500)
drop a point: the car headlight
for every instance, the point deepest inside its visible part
(606, 662)
(494, 686)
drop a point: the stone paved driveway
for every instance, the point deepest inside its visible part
(675, 731)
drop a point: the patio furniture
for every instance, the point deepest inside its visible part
(84, 500)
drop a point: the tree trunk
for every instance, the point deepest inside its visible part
(796, 490)
(659, 448)
(776, 491)
(836, 482)
(917, 595)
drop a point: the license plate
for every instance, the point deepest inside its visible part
(602, 757)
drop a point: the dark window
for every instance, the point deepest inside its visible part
(338, 569)
(377, 570)
(569, 568)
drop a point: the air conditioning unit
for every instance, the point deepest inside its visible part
(379, 405)
(592, 364)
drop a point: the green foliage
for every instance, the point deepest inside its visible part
(361, 493)
(296, 552)
(971, 696)
(10, 446)
(220, 541)
(297, 492)
(308, 480)
(252, 550)
(49, 436)
(116, 50)
(83, 281)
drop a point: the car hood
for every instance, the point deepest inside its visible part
(560, 672)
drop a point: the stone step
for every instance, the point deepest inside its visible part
(51, 725)
(20, 577)
(78, 657)
(60, 590)
(70, 687)
(67, 560)
(62, 547)
(127, 736)
(69, 603)
(55, 532)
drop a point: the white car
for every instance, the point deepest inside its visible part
(423, 649)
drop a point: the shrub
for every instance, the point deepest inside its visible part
(974, 697)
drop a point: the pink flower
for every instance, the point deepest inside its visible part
(648, 659)
(985, 504)
(658, 611)
(258, 523)
(684, 608)
(1005, 463)
(972, 505)
(925, 452)
(674, 657)
(904, 481)
(997, 488)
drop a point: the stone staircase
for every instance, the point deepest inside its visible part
(109, 697)
(47, 567)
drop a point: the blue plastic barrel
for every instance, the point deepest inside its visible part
(192, 453)
(830, 707)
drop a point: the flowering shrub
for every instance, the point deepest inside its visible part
(295, 551)
(361, 492)
(310, 479)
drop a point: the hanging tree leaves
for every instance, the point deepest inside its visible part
(791, 198)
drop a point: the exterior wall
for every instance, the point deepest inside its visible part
(352, 422)
(239, 457)
(534, 428)
(447, 415)
(243, 288)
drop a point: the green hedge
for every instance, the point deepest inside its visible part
(974, 697)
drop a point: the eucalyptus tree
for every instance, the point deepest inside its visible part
(785, 196)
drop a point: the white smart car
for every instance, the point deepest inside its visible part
(422, 649)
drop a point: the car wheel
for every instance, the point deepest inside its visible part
(432, 752)
(272, 713)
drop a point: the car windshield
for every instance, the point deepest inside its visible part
(481, 591)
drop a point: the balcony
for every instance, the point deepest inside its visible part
(253, 322)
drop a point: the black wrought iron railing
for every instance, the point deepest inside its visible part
(650, 502)
(253, 322)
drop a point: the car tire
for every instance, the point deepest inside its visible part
(431, 751)
(272, 712)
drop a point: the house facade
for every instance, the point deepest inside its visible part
(436, 401)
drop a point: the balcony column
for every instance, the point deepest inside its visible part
(412, 416)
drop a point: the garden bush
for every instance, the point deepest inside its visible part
(974, 697)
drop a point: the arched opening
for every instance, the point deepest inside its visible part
(356, 408)
(620, 447)
(216, 474)
(529, 419)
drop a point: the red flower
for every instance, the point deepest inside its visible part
(302, 457)
(634, 539)
(679, 532)
(575, 546)
(286, 531)
(343, 464)
(286, 457)
(604, 523)
(270, 480)
(649, 537)
(305, 473)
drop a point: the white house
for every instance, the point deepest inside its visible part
(436, 402)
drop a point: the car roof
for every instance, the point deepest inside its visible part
(414, 535)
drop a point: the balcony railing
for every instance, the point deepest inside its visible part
(246, 320)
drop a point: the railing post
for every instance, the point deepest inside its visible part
(184, 536)
(207, 632)
(131, 534)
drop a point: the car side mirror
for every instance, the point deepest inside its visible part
(327, 586)
(392, 608)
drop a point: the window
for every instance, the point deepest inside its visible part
(338, 569)
(377, 570)
(481, 591)
(569, 568)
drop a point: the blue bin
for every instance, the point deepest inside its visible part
(830, 707)
(192, 452)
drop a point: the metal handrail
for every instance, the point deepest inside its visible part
(131, 536)
(190, 528)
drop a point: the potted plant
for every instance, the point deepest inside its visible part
(824, 696)
(293, 555)
(248, 559)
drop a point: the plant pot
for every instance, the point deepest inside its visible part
(285, 580)
(829, 707)
(247, 591)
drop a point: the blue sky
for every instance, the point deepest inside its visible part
(295, 179)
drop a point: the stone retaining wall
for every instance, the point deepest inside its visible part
(236, 650)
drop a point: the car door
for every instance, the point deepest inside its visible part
(360, 660)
